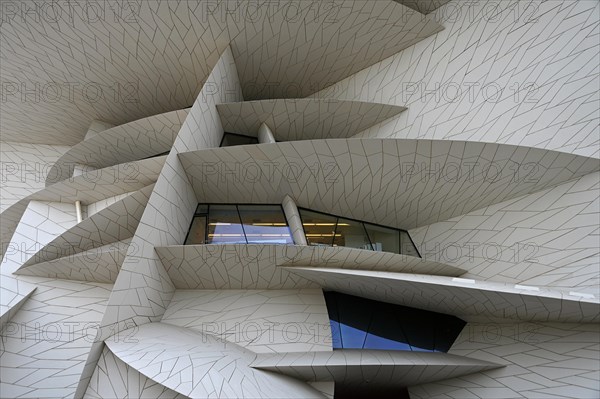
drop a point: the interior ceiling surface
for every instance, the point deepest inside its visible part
(65, 64)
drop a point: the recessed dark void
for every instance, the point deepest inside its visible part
(359, 323)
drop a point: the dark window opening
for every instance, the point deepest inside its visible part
(360, 323)
(365, 391)
(233, 139)
(158, 155)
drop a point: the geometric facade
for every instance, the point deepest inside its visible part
(300, 199)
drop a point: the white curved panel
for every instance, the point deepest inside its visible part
(542, 360)
(151, 57)
(89, 187)
(362, 367)
(41, 223)
(125, 143)
(113, 378)
(199, 365)
(284, 49)
(44, 350)
(114, 223)
(11, 301)
(97, 127)
(465, 298)
(304, 118)
(548, 238)
(236, 266)
(522, 74)
(263, 321)
(97, 206)
(143, 288)
(392, 182)
(165, 220)
(99, 265)
(24, 168)
(316, 45)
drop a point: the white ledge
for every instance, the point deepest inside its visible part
(469, 301)
(259, 266)
(124, 143)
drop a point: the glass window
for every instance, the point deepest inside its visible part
(383, 238)
(239, 224)
(197, 234)
(344, 390)
(336, 336)
(407, 246)
(330, 230)
(232, 139)
(265, 224)
(354, 317)
(318, 227)
(420, 329)
(385, 331)
(350, 233)
(361, 323)
(376, 342)
(224, 225)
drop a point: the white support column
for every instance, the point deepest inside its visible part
(293, 217)
(78, 211)
(265, 135)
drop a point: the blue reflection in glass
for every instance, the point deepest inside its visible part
(352, 337)
(375, 342)
(224, 225)
(239, 224)
(336, 335)
(361, 323)
(265, 224)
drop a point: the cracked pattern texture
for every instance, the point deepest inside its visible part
(394, 182)
(121, 144)
(263, 321)
(498, 90)
(466, 298)
(235, 266)
(143, 58)
(304, 118)
(548, 238)
(513, 72)
(543, 360)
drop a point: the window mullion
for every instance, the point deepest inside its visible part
(206, 223)
(237, 208)
(368, 236)
(337, 221)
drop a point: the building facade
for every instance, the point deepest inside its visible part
(298, 199)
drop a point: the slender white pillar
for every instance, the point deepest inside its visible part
(78, 211)
(293, 217)
(265, 135)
